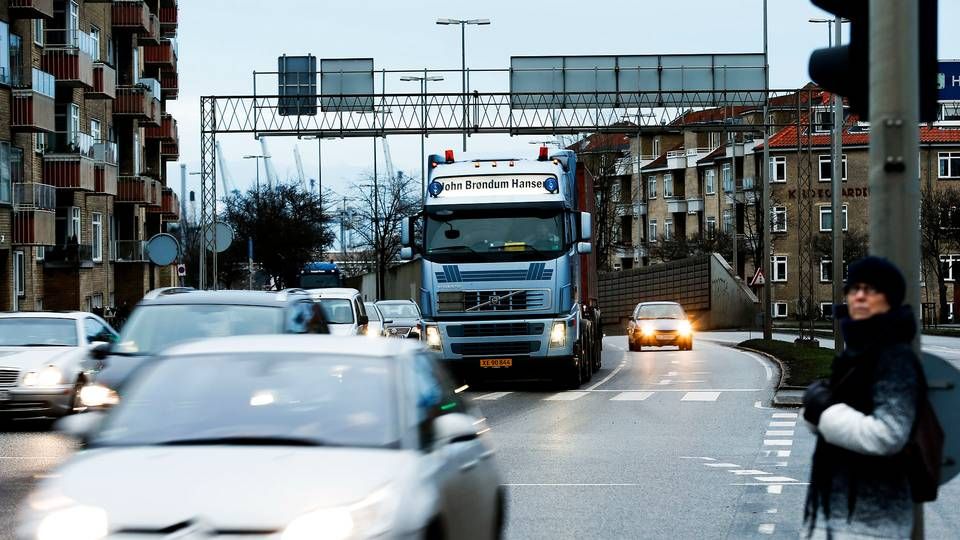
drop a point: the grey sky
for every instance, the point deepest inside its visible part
(223, 41)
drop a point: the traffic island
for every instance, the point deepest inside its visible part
(800, 365)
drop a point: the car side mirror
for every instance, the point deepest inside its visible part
(405, 233)
(388, 321)
(453, 428)
(101, 350)
(80, 426)
(584, 248)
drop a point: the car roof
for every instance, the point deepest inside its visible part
(333, 292)
(396, 302)
(72, 315)
(254, 298)
(298, 344)
(658, 304)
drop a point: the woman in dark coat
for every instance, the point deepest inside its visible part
(865, 413)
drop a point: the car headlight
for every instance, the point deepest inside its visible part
(646, 329)
(685, 328)
(372, 516)
(558, 334)
(96, 395)
(75, 522)
(433, 338)
(48, 376)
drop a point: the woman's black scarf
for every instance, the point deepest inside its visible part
(851, 381)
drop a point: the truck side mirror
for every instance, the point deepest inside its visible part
(584, 247)
(586, 226)
(406, 253)
(405, 233)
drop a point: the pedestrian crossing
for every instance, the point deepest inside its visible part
(626, 395)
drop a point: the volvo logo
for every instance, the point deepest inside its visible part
(495, 300)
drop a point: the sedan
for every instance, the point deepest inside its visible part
(280, 437)
(402, 318)
(375, 320)
(659, 324)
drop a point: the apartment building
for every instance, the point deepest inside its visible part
(84, 140)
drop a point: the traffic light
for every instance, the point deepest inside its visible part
(846, 70)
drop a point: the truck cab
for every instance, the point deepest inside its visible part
(502, 243)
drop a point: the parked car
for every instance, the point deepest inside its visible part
(165, 317)
(343, 309)
(659, 324)
(293, 437)
(41, 361)
(402, 318)
(374, 320)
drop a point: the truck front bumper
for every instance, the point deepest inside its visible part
(513, 343)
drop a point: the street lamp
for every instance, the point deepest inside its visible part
(376, 197)
(423, 132)
(817, 20)
(463, 61)
(258, 158)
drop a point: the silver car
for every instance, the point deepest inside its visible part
(402, 318)
(659, 324)
(374, 320)
(277, 437)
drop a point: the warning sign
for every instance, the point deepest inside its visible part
(758, 279)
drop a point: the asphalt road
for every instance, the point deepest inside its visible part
(660, 444)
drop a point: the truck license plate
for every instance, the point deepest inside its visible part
(496, 362)
(4, 395)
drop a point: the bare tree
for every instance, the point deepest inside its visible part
(604, 167)
(939, 232)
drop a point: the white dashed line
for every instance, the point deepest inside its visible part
(783, 424)
(775, 490)
(780, 433)
(784, 415)
(565, 396)
(631, 396)
(775, 479)
(672, 374)
(777, 442)
(700, 396)
(722, 465)
(492, 396)
(783, 453)
(748, 472)
(767, 528)
(665, 381)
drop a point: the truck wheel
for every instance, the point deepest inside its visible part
(571, 377)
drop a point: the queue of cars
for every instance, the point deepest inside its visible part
(336, 436)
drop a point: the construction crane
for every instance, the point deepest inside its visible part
(226, 179)
(300, 174)
(268, 164)
(386, 158)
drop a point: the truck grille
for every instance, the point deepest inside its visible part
(9, 377)
(496, 349)
(498, 300)
(495, 329)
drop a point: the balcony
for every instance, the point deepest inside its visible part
(169, 84)
(677, 206)
(166, 132)
(33, 108)
(69, 256)
(105, 168)
(34, 217)
(68, 161)
(132, 16)
(68, 55)
(31, 9)
(156, 194)
(131, 251)
(681, 159)
(169, 206)
(169, 19)
(152, 37)
(104, 82)
(141, 101)
(135, 189)
(694, 205)
(163, 55)
(641, 209)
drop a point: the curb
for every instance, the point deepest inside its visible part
(785, 396)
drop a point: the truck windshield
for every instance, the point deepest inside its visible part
(501, 235)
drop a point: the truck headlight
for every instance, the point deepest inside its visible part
(558, 334)
(433, 339)
(77, 522)
(48, 376)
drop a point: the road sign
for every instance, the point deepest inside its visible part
(182, 270)
(162, 249)
(758, 279)
(948, 81)
(942, 380)
(224, 236)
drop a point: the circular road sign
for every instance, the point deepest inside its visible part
(224, 236)
(163, 249)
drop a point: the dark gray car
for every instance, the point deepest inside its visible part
(401, 318)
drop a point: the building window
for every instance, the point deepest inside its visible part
(826, 218)
(667, 185)
(95, 43)
(711, 227)
(822, 120)
(19, 273)
(73, 17)
(727, 178)
(727, 221)
(826, 270)
(38, 32)
(656, 146)
(96, 301)
(96, 232)
(714, 139)
(39, 303)
(40, 143)
(826, 168)
(946, 266)
(779, 219)
(949, 164)
(112, 233)
(652, 230)
(779, 268)
(710, 181)
(778, 169)
(73, 227)
(95, 130)
(779, 310)
(41, 253)
(826, 310)
(652, 186)
(4, 53)
(668, 228)
(16, 60)
(136, 152)
(950, 311)
(74, 119)
(6, 174)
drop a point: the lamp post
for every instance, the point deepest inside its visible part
(463, 62)
(376, 201)
(423, 131)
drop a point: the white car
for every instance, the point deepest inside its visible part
(374, 320)
(343, 310)
(290, 437)
(41, 361)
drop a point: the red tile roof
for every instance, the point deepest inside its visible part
(661, 160)
(787, 137)
(602, 142)
(712, 156)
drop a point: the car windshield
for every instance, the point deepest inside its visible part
(38, 332)
(319, 280)
(485, 235)
(152, 328)
(256, 398)
(337, 310)
(660, 311)
(399, 311)
(372, 312)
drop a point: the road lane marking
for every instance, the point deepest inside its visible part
(748, 472)
(698, 457)
(722, 465)
(768, 371)
(658, 389)
(631, 396)
(665, 381)
(492, 396)
(780, 433)
(784, 415)
(783, 424)
(565, 396)
(759, 405)
(766, 528)
(693, 382)
(608, 377)
(775, 490)
(778, 442)
(775, 479)
(783, 453)
(578, 485)
(700, 396)
(672, 374)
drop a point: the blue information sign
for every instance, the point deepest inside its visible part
(948, 80)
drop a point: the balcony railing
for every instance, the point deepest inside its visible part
(131, 251)
(169, 19)
(152, 36)
(677, 206)
(641, 209)
(74, 142)
(132, 15)
(169, 84)
(167, 131)
(104, 82)
(34, 108)
(141, 101)
(34, 227)
(69, 255)
(105, 152)
(68, 55)
(31, 9)
(68, 161)
(164, 54)
(135, 189)
(694, 205)
(34, 196)
(170, 150)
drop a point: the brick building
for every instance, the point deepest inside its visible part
(84, 141)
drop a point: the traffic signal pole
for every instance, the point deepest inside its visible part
(837, 203)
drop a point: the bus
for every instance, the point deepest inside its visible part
(320, 275)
